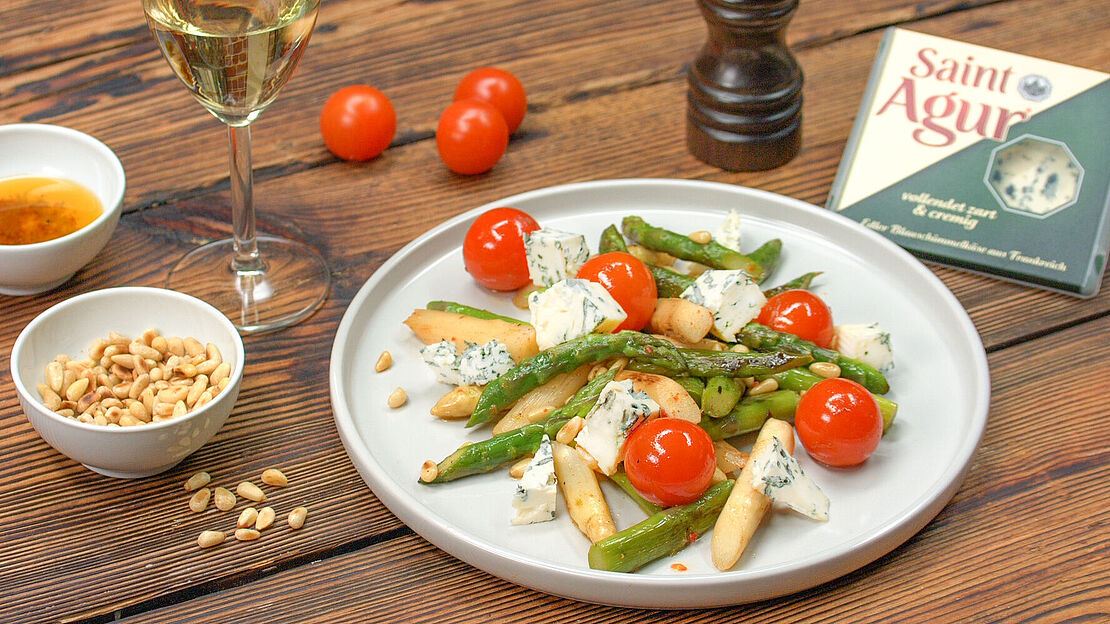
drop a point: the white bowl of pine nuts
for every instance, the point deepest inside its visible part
(128, 381)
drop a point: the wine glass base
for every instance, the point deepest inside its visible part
(292, 284)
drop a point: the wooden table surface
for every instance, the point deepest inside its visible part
(1024, 538)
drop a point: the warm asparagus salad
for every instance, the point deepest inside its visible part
(647, 361)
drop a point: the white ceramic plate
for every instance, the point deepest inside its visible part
(940, 381)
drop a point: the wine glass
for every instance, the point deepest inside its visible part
(234, 56)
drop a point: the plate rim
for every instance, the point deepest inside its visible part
(778, 580)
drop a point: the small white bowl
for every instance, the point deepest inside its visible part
(71, 326)
(54, 151)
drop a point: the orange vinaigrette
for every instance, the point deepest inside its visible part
(37, 209)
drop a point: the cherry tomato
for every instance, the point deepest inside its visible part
(471, 137)
(493, 251)
(838, 421)
(630, 282)
(499, 88)
(358, 122)
(801, 313)
(669, 461)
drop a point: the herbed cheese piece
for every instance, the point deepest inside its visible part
(554, 255)
(732, 297)
(476, 365)
(603, 434)
(778, 476)
(728, 233)
(534, 500)
(572, 308)
(480, 364)
(867, 342)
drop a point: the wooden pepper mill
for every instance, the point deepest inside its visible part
(744, 102)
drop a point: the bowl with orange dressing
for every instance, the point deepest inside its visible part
(61, 194)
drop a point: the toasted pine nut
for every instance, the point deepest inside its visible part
(143, 351)
(200, 384)
(224, 499)
(739, 348)
(595, 371)
(247, 518)
(222, 372)
(186, 370)
(729, 458)
(275, 477)
(68, 413)
(213, 353)
(198, 480)
(124, 420)
(55, 374)
(297, 517)
(568, 431)
(397, 398)
(96, 350)
(719, 475)
(208, 539)
(265, 520)
(50, 398)
(429, 471)
(247, 535)
(763, 387)
(828, 370)
(385, 360)
(517, 471)
(175, 345)
(198, 502)
(458, 403)
(207, 367)
(701, 237)
(192, 346)
(99, 419)
(250, 491)
(85, 418)
(77, 389)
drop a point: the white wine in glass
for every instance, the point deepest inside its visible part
(235, 56)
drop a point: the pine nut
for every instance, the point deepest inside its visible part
(429, 471)
(208, 539)
(50, 398)
(739, 348)
(77, 389)
(265, 519)
(247, 535)
(570, 430)
(192, 346)
(763, 387)
(198, 480)
(458, 403)
(517, 471)
(701, 237)
(247, 518)
(397, 398)
(273, 476)
(828, 370)
(200, 384)
(224, 499)
(96, 351)
(297, 517)
(198, 502)
(175, 345)
(385, 360)
(222, 372)
(213, 353)
(719, 475)
(250, 491)
(143, 351)
(55, 374)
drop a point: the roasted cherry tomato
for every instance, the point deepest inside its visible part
(628, 279)
(493, 251)
(358, 122)
(471, 137)
(669, 461)
(499, 88)
(838, 421)
(801, 313)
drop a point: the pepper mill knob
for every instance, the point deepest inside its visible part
(744, 101)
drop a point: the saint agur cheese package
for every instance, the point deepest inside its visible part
(985, 160)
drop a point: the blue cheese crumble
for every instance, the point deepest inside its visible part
(867, 342)
(572, 308)
(732, 297)
(534, 500)
(618, 409)
(778, 476)
(476, 365)
(554, 255)
(728, 233)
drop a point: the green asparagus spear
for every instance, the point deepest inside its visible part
(720, 396)
(801, 379)
(694, 387)
(711, 254)
(663, 534)
(624, 484)
(704, 363)
(764, 338)
(461, 308)
(669, 283)
(505, 447)
(767, 256)
(801, 282)
(750, 414)
(656, 354)
(611, 240)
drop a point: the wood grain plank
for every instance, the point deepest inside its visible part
(1034, 497)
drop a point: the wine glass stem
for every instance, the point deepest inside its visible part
(246, 258)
